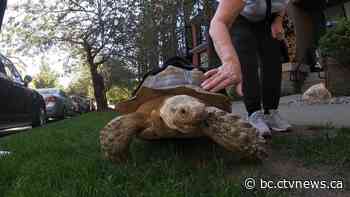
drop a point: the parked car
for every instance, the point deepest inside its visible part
(58, 104)
(20, 105)
(92, 104)
(81, 104)
(75, 104)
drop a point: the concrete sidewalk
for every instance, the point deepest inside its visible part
(336, 115)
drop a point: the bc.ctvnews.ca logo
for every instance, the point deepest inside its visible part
(259, 183)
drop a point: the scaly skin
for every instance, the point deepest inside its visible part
(235, 135)
(116, 136)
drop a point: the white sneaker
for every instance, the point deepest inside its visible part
(257, 121)
(276, 122)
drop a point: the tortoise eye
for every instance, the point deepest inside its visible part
(182, 111)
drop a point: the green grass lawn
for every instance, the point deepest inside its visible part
(63, 159)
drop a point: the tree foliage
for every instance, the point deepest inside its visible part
(161, 32)
(93, 32)
(336, 42)
(46, 78)
(82, 84)
(164, 30)
(118, 40)
(118, 73)
(117, 94)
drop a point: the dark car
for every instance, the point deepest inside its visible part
(19, 105)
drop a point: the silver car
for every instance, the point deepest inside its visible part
(58, 104)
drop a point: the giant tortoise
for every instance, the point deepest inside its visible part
(171, 104)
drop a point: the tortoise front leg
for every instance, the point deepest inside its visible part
(116, 136)
(231, 132)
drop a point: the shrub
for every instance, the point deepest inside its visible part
(336, 42)
(117, 94)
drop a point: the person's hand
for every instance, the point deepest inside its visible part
(222, 77)
(277, 29)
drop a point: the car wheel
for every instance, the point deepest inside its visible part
(39, 118)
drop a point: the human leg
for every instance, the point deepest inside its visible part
(245, 42)
(271, 73)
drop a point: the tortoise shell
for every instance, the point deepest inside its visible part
(173, 81)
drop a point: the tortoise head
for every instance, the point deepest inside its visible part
(183, 113)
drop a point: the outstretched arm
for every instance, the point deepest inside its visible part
(230, 71)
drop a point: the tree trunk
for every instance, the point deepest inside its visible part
(97, 80)
(99, 88)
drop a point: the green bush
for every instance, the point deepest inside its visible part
(336, 42)
(117, 94)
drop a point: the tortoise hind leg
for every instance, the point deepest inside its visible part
(116, 136)
(229, 131)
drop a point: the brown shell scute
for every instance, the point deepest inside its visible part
(174, 81)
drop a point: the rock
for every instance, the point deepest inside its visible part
(317, 94)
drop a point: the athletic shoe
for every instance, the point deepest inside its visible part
(257, 121)
(275, 121)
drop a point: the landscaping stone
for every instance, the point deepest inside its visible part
(311, 79)
(317, 94)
